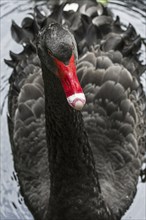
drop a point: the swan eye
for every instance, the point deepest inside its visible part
(50, 53)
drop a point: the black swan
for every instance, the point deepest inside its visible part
(76, 161)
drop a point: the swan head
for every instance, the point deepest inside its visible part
(58, 52)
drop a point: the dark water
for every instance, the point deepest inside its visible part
(12, 205)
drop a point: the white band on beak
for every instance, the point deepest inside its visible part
(77, 101)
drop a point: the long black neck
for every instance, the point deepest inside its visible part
(74, 183)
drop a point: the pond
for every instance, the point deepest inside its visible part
(12, 204)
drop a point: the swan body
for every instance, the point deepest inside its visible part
(75, 164)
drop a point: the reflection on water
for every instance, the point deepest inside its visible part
(12, 204)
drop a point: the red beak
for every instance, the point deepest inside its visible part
(70, 83)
